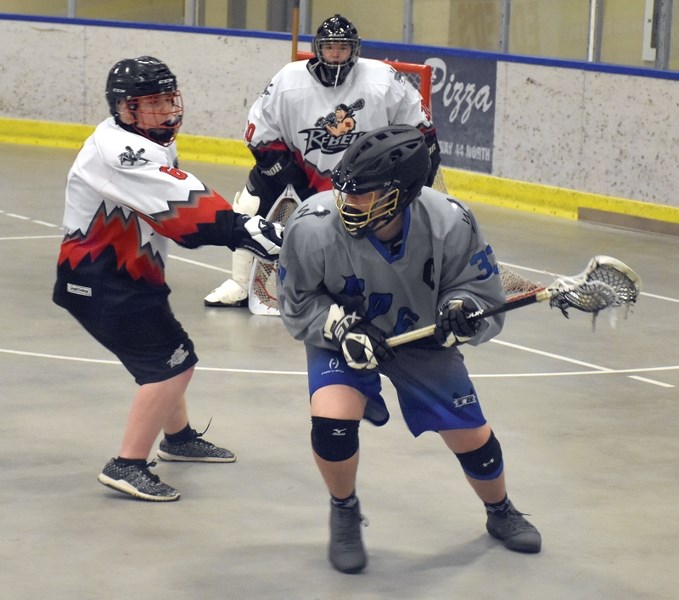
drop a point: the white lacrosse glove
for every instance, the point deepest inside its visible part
(453, 325)
(260, 237)
(363, 344)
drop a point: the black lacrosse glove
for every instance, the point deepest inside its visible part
(259, 237)
(453, 325)
(363, 344)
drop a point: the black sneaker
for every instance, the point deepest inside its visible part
(516, 532)
(346, 551)
(136, 480)
(195, 450)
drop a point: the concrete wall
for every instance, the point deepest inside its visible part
(57, 72)
(603, 133)
(592, 132)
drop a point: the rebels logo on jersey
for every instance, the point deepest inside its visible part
(334, 132)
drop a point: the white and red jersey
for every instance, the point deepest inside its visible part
(317, 123)
(125, 197)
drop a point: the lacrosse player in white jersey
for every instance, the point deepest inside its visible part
(378, 256)
(125, 198)
(304, 120)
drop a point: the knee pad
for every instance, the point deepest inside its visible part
(334, 439)
(484, 462)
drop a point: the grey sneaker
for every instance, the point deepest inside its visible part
(195, 450)
(137, 481)
(346, 551)
(516, 532)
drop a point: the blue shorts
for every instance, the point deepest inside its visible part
(152, 345)
(433, 387)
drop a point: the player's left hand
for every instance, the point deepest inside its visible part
(363, 344)
(260, 237)
(453, 325)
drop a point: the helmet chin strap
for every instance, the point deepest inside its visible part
(337, 74)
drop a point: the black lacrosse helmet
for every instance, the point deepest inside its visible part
(335, 29)
(134, 78)
(391, 162)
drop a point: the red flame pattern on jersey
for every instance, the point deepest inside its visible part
(122, 233)
(183, 218)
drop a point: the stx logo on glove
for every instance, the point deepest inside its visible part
(362, 344)
(342, 327)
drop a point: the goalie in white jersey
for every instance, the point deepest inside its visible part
(125, 198)
(377, 257)
(305, 119)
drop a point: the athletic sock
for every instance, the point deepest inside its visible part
(498, 508)
(185, 435)
(348, 502)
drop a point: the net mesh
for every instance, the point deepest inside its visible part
(264, 281)
(590, 297)
(603, 285)
(625, 287)
(264, 285)
(516, 285)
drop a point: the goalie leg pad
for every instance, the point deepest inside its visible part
(234, 291)
(334, 440)
(484, 462)
(241, 265)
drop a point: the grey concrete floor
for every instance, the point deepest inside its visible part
(588, 422)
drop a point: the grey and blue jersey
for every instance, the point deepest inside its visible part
(399, 287)
(442, 255)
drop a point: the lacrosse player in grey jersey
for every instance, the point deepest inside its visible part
(378, 256)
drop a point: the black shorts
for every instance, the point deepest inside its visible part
(152, 345)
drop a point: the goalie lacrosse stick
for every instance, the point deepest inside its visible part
(262, 294)
(605, 283)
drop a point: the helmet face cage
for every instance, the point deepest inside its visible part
(381, 210)
(337, 30)
(353, 45)
(164, 111)
(393, 164)
(150, 89)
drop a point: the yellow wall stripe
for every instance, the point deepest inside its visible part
(465, 185)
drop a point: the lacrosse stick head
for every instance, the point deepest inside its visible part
(606, 282)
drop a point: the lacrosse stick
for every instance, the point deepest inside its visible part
(605, 283)
(262, 294)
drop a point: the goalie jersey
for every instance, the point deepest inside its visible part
(442, 255)
(125, 197)
(317, 123)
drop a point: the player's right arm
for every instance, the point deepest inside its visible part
(132, 172)
(303, 299)
(469, 271)
(275, 168)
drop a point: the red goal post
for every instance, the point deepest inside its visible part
(418, 75)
